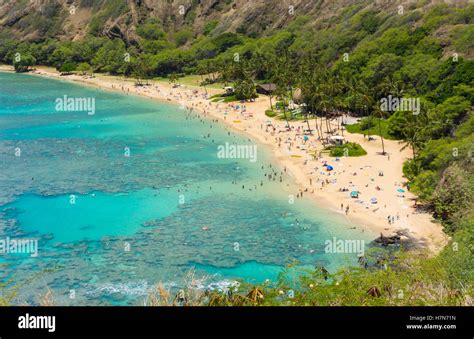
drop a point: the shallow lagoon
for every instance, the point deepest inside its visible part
(172, 205)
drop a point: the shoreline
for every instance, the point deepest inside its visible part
(291, 152)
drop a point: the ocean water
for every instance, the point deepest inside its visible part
(111, 226)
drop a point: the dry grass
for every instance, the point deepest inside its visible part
(191, 295)
(47, 299)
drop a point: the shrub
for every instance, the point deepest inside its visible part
(24, 62)
(350, 149)
(67, 67)
(270, 113)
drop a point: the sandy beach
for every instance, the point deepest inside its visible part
(394, 208)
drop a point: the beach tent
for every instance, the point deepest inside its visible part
(337, 140)
(229, 90)
(266, 89)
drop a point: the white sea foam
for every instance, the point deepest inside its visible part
(142, 288)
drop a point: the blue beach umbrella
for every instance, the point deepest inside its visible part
(329, 168)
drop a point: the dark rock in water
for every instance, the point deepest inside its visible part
(401, 237)
(388, 240)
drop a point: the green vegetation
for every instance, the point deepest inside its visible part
(404, 280)
(67, 68)
(388, 55)
(270, 113)
(370, 126)
(84, 68)
(398, 278)
(196, 80)
(22, 63)
(112, 9)
(210, 25)
(351, 149)
(225, 98)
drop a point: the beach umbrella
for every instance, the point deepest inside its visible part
(306, 138)
(373, 200)
(354, 194)
(329, 168)
(401, 190)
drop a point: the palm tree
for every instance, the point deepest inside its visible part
(323, 103)
(281, 92)
(243, 75)
(352, 98)
(368, 97)
(377, 109)
(332, 88)
(226, 70)
(313, 98)
(201, 70)
(173, 78)
(289, 73)
(388, 87)
(280, 78)
(304, 76)
(414, 129)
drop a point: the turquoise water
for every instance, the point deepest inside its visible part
(170, 206)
